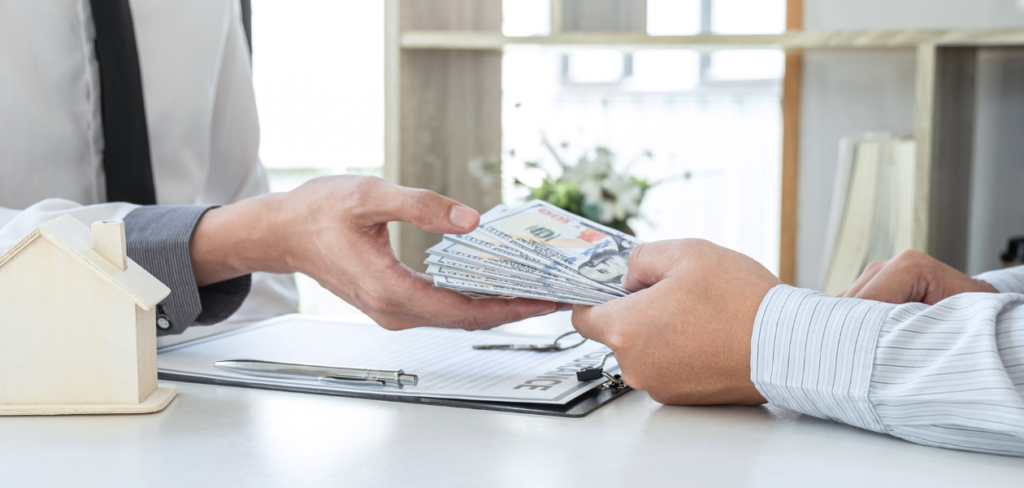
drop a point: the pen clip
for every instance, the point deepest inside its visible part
(518, 347)
(331, 380)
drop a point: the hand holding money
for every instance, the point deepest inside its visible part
(535, 251)
(334, 229)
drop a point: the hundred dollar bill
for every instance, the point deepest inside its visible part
(457, 284)
(508, 250)
(453, 251)
(442, 264)
(479, 255)
(556, 295)
(592, 251)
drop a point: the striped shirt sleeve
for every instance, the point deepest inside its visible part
(158, 239)
(1009, 280)
(949, 375)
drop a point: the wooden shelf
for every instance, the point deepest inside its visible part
(443, 99)
(793, 40)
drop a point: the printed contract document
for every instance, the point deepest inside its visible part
(444, 360)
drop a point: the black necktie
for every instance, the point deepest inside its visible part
(126, 158)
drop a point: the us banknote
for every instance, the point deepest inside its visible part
(534, 291)
(535, 251)
(490, 289)
(507, 250)
(453, 251)
(593, 251)
(485, 275)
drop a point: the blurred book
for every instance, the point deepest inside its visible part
(872, 213)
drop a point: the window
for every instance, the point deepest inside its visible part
(318, 67)
(707, 124)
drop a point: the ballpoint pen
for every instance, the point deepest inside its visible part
(332, 375)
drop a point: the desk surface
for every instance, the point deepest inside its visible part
(221, 436)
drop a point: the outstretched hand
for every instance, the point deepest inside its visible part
(334, 229)
(684, 335)
(913, 276)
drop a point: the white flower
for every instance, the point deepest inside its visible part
(590, 167)
(592, 192)
(627, 195)
(607, 211)
(611, 195)
(617, 184)
(627, 204)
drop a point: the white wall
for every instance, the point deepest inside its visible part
(850, 92)
(912, 14)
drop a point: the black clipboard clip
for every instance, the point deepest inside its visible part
(591, 373)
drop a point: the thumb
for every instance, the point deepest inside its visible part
(648, 264)
(426, 210)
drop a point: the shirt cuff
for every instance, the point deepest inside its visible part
(158, 239)
(1009, 280)
(813, 353)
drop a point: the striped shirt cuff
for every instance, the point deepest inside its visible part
(813, 353)
(158, 239)
(1009, 280)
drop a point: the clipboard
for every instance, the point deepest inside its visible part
(200, 352)
(577, 408)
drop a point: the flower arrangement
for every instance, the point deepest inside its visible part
(592, 188)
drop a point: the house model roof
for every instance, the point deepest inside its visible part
(75, 238)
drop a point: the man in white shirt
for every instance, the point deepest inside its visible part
(210, 229)
(914, 348)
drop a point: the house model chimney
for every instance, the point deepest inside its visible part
(108, 240)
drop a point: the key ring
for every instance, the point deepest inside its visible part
(589, 373)
(596, 372)
(552, 347)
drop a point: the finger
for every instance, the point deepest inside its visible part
(469, 314)
(422, 208)
(912, 276)
(870, 271)
(583, 322)
(604, 323)
(893, 285)
(451, 309)
(647, 265)
(475, 294)
(487, 313)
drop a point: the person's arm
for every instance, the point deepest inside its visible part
(947, 375)
(159, 238)
(707, 325)
(913, 276)
(334, 229)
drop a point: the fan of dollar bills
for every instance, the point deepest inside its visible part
(535, 251)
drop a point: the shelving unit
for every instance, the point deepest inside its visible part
(443, 102)
(792, 40)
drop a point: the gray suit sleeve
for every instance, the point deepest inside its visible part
(158, 240)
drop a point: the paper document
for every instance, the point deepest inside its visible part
(444, 360)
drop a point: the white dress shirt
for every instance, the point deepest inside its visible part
(948, 375)
(200, 113)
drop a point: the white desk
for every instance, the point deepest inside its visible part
(220, 436)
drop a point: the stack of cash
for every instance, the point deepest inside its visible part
(535, 251)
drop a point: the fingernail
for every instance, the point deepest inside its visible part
(463, 217)
(548, 312)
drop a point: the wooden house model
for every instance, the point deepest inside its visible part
(78, 324)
